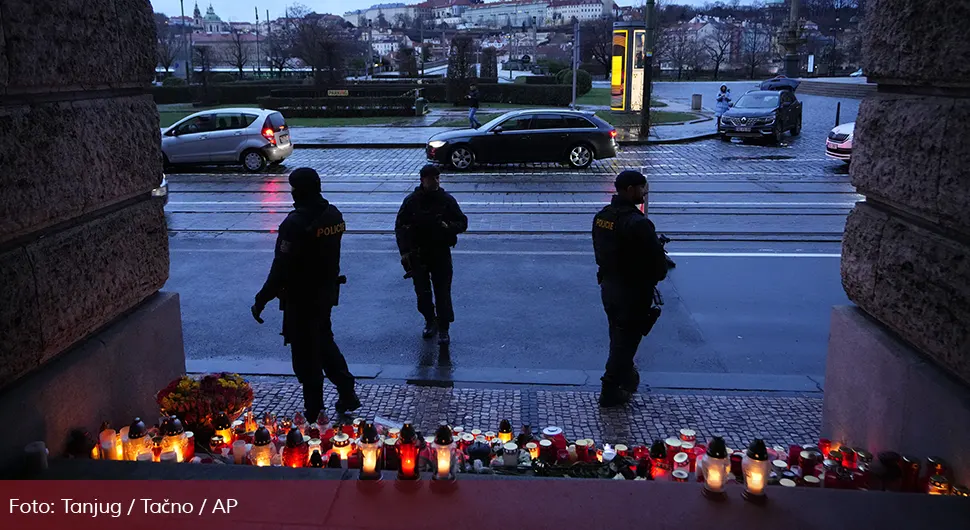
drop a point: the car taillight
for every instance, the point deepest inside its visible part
(268, 134)
(613, 133)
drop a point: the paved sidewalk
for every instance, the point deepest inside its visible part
(650, 416)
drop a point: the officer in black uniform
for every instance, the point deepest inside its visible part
(427, 226)
(305, 276)
(631, 262)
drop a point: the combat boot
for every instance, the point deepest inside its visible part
(430, 328)
(347, 403)
(613, 396)
(444, 338)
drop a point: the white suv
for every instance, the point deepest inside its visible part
(251, 137)
(838, 145)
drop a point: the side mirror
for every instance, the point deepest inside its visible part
(497, 129)
(730, 104)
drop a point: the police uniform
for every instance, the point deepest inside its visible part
(427, 226)
(631, 262)
(304, 277)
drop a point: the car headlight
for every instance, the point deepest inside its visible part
(770, 121)
(437, 144)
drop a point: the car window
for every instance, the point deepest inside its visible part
(248, 119)
(232, 120)
(752, 101)
(576, 122)
(519, 123)
(548, 121)
(277, 121)
(198, 124)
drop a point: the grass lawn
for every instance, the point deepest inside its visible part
(462, 121)
(397, 121)
(656, 118)
(601, 96)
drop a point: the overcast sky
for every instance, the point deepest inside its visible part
(239, 11)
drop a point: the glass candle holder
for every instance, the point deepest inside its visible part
(938, 485)
(960, 491)
(533, 449)
(555, 435)
(407, 450)
(547, 453)
(390, 453)
(714, 466)
(848, 458)
(682, 462)
(910, 467)
(138, 441)
(510, 455)
(222, 426)
(688, 435)
(621, 450)
(505, 432)
(811, 481)
(490, 436)
(673, 446)
(755, 467)
(680, 475)
(824, 446)
(370, 452)
(443, 450)
(216, 444)
(582, 450)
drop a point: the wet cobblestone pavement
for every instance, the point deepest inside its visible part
(650, 416)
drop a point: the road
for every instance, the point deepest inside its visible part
(756, 229)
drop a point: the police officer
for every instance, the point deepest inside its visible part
(427, 226)
(631, 262)
(305, 277)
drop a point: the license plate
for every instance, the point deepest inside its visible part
(284, 139)
(744, 129)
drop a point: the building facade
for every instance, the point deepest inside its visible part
(507, 13)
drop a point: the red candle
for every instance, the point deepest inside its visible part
(793, 452)
(911, 470)
(582, 451)
(296, 456)
(546, 451)
(848, 458)
(825, 445)
(639, 452)
(408, 455)
(736, 460)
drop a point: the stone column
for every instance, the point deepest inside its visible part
(85, 334)
(898, 368)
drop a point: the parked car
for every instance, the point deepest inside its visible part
(838, 145)
(780, 83)
(161, 192)
(572, 137)
(247, 136)
(762, 114)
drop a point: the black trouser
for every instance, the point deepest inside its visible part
(315, 354)
(433, 274)
(626, 307)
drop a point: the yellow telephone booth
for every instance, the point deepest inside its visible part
(627, 72)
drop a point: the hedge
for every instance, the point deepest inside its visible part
(538, 80)
(584, 81)
(339, 107)
(218, 95)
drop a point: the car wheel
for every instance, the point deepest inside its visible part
(580, 156)
(725, 138)
(797, 129)
(779, 135)
(253, 161)
(275, 163)
(462, 158)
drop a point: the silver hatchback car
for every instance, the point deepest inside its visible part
(252, 137)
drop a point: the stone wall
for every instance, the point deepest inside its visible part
(905, 251)
(83, 244)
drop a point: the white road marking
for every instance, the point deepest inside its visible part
(544, 253)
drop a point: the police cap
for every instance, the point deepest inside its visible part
(429, 171)
(305, 179)
(629, 178)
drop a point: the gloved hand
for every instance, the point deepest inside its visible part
(257, 310)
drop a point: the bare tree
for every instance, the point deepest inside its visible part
(324, 46)
(683, 50)
(202, 58)
(596, 42)
(238, 52)
(755, 47)
(407, 62)
(170, 45)
(278, 48)
(717, 45)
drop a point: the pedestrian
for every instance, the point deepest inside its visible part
(631, 262)
(305, 276)
(723, 103)
(427, 226)
(473, 104)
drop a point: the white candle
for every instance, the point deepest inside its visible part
(511, 455)
(169, 457)
(444, 460)
(239, 451)
(145, 457)
(36, 453)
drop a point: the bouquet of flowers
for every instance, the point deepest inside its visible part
(197, 401)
